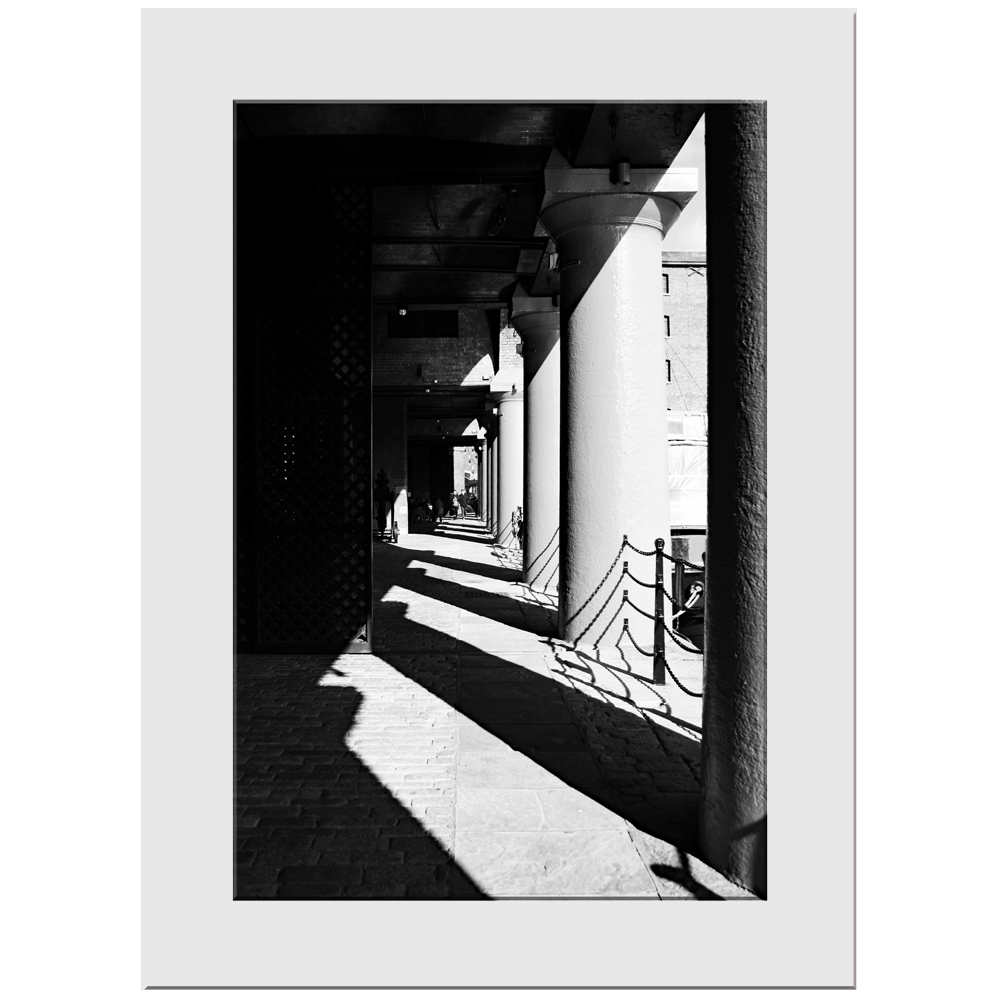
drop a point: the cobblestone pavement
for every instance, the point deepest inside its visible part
(474, 757)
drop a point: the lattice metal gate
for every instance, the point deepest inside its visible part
(303, 545)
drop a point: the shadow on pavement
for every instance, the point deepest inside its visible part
(312, 821)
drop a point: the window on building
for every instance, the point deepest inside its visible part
(666, 326)
(666, 283)
(670, 373)
(423, 323)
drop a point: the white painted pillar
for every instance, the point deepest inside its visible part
(536, 319)
(510, 467)
(614, 461)
(482, 461)
(494, 440)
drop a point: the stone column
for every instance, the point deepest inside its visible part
(494, 439)
(614, 461)
(536, 319)
(488, 423)
(482, 474)
(734, 751)
(510, 467)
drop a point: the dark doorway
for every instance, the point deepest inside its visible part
(431, 469)
(303, 411)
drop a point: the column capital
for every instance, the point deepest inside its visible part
(488, 420)
(507, 386)
(533, 314)
(580, 197)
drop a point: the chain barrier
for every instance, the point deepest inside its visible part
(661, 627)
(641, 552)
(627, 631)
(687, 691)
(627, 600)
(629, 574)
(673, 635)
(698, 567)
(673, 559)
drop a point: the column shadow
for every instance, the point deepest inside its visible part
(312, 821)
(393, 569)
(646, 774)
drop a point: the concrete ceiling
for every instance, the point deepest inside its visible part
(457, 187)
(456, 190)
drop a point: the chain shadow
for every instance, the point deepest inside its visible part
(613, 756)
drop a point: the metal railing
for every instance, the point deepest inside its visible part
(661, 628)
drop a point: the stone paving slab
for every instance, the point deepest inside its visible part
(473, 757)
(520, 711)
(535, 661)
(530, 809)
(511, 769)
(506, 684)
(531, 739)
(600, 863)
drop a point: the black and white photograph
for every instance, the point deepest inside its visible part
(465, 456)
(500, 500)
(507, 388)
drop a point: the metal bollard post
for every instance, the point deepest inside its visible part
(659, 639)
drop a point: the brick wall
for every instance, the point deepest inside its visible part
(510, 360)
(448, 427)
(465, 461)
(469, 359)
(464, 360)
(686, 348)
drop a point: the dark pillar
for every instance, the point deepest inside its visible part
(734, 751)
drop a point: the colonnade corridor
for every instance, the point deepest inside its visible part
(472, 756)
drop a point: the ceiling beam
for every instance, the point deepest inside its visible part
(529, 242)
(426, 268)
(465, 303)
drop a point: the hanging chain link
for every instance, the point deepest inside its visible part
(673, 635)
(625, 542)
(683, 562)
(628, 632)
(627, 600)
(628, 573)
(687, 691)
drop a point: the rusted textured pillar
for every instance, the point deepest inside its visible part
(734, 750)
(536, 319)
(614, 461)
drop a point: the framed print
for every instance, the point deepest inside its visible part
(361, 280)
